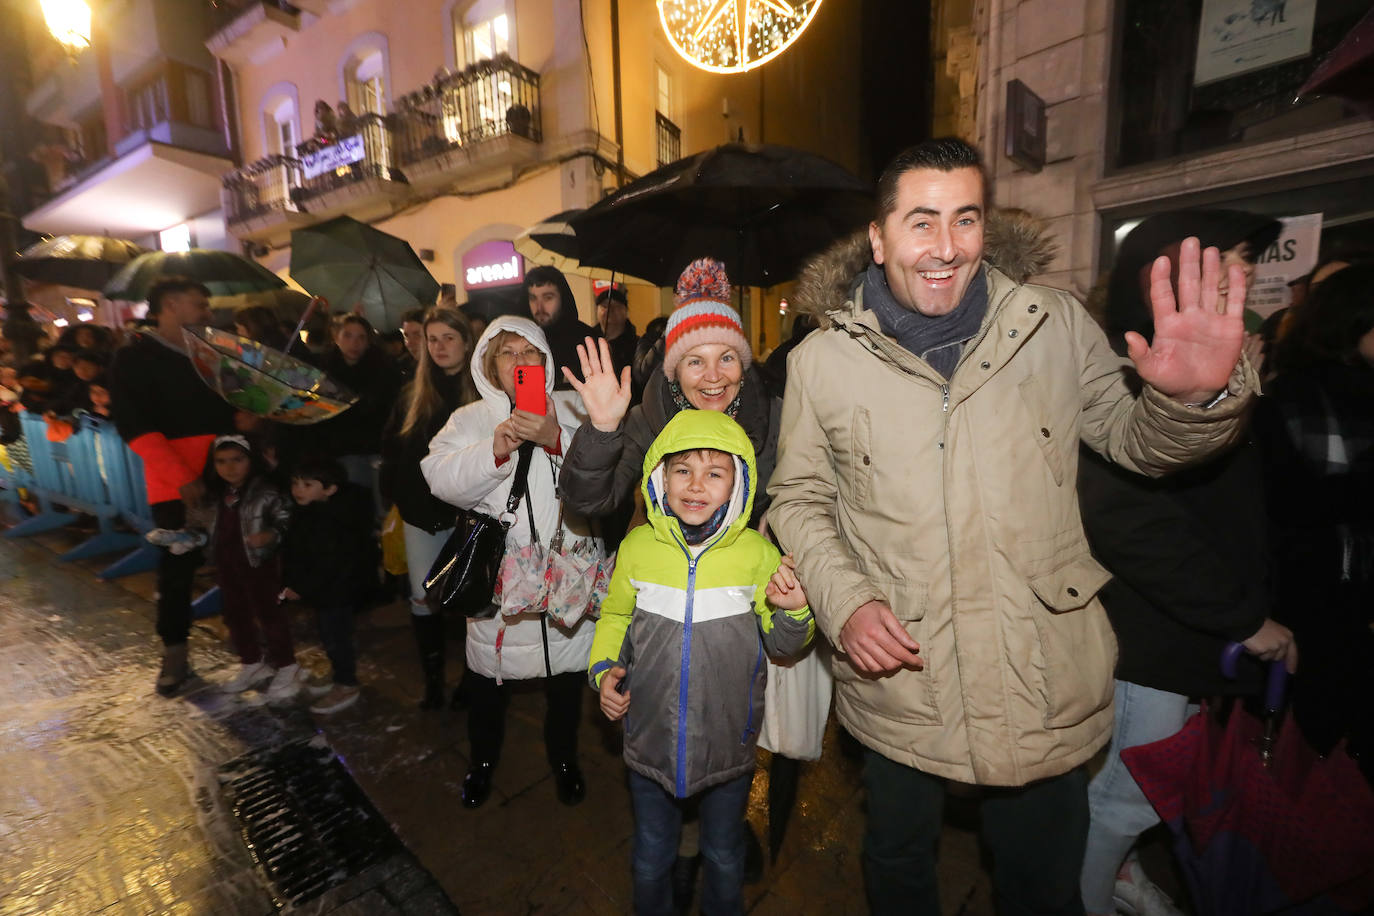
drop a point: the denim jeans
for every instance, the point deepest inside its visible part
(422, 549)
(1118, 810)
(336, 632)
(1035, 834)
(658, 821)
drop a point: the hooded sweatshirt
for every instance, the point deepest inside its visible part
(691, 624)
(565, 333)
(462, 470)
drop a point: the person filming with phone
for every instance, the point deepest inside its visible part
(517, 431)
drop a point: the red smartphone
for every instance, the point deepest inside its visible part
(529, 389)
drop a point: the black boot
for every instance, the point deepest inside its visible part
(429, 639)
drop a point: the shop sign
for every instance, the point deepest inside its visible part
(1293, 254)
(1238, 36)
(345, 152)
(493, 263)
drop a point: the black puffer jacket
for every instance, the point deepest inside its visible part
(401, 480)
(601, 469)
(329, 556)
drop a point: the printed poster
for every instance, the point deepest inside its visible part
(1291, 256)
(1237, 36)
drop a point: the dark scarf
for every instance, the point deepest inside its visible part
(939, 340)
(695, 535)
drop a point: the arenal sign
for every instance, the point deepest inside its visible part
(336, 155)
(493, 263)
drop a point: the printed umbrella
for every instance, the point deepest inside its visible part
(82, 261)
(1261, 823)
(224, 273)
(264, 381)
(350, 263)
(762, 210)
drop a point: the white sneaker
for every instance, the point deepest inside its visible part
(318, 685)
(1139, 896)
(286, 683)
(248, 675)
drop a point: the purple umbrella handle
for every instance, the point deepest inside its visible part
(1275, 687)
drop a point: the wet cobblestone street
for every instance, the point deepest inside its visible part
(109, 800)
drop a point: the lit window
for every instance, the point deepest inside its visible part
(482, 31)
(665, 92)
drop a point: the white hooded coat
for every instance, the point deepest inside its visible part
(461, 469)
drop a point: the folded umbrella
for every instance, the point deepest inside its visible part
(1261, 822)
(352, 264)
(222, 272)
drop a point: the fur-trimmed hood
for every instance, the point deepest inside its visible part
(1014, 242)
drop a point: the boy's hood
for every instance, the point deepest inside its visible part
(692, 429)
(526, 329)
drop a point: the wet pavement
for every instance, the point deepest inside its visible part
(110, 800)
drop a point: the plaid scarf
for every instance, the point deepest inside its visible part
(1326, 422)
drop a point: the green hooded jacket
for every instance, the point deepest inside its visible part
(691, 624)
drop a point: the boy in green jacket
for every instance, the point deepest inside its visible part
(696, 600)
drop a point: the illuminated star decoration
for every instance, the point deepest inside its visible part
(732, 36)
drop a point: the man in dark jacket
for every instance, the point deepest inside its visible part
(169, 417)
(613, 323)
(554, 309)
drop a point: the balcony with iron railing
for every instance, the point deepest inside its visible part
(669, 139)
(484, 116)
(460, 128)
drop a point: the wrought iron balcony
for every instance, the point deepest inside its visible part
(669, 140)
(261, 187)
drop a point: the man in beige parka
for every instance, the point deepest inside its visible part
(926, 485)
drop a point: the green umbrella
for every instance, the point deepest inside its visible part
(224, 273)
(350, 264)
(82, 261)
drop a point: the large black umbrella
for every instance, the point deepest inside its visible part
(224, 273)
(82, 261)
(553, 242)
(762, 210)
(350, 263)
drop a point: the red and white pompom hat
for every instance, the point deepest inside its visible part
(703, 316)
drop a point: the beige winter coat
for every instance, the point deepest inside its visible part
(956, 504)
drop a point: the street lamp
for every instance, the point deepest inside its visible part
(69, 21)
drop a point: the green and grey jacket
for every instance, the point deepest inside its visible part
(691, 625)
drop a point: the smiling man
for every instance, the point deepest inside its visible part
(925, 485)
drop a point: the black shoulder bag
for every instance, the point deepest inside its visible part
(464, 576)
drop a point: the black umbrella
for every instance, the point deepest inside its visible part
(224, 273)
(552, 242)
(350, 263)
(82, 261)
(762, 210)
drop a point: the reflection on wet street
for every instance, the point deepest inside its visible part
(110, 800)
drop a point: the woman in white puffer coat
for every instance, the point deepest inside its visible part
(471, 464)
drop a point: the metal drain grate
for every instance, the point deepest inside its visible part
(306, 823)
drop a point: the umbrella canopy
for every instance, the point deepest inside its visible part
(289, 305)
(762, 210)
(264, 381)
(1349, 69)
(82, 261)
(553, 242)
(1254, 836)
(224, 273)
(350, 263)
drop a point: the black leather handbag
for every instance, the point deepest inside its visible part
(463, 578)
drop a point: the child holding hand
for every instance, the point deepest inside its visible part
(696, 601)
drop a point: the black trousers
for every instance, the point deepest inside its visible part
(487, 703)
(1037, 835)
(175, 575)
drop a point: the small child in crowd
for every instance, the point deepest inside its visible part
(696, 599)
(249, 519)
(326, 559)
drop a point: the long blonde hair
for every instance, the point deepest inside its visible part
(425, 393)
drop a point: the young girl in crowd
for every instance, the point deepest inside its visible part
(246, 520)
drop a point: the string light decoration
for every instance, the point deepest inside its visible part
(733, 36)
(69, 21)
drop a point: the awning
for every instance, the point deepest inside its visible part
(146, 190)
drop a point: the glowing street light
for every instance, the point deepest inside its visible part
(69, 21)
